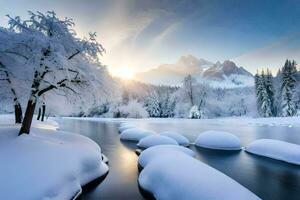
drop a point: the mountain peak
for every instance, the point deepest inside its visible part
(201, 69)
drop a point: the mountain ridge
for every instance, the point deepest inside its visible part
(203, 70)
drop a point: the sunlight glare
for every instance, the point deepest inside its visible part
(124, 73)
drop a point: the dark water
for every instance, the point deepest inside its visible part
(267, 178)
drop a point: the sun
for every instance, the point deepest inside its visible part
(124, 73)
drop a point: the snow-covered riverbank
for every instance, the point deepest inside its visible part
(241, 121)
(46, 164)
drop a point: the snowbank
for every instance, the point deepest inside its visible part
(46, 164)
(276, 149)
(218, 140)
(135, 134)
(172, 174)
(181, 140)
(153, 140)
(125, 127)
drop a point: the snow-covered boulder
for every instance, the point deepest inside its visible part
(47, 164)
(135, 134)
(153, 140)
(276, 149)
(125, 127)
(218, 140)
(180, 139)
(151, 152)
(172, 174)
(125, 124)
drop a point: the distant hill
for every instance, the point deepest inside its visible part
(226, 74)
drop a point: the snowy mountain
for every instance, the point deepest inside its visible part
(173, 74)
(226, 74)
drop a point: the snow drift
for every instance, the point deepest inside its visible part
(153, 140)
(218, 140)
(135, 134)
(172, 174)
(276, 149)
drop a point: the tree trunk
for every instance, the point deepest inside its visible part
(39, 114)
(28, 117)
(43, 111)
(18, 113)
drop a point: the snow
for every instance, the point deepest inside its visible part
(224, 121)
(151, 152)
(276, 149)
(172, 174)
(125, 127)
(135, 134)
(46, 164)
(180, 139)
(218, 140)
(153, 140)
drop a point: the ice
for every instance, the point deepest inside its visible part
(218, 140)
(276, 149)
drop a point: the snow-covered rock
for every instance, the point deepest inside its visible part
(135, 134)
(153, 140)
(218, 140)
(172, 174)
(125, 127)
(46, 164)
(151, 152)
(276, 149)
(180, 139)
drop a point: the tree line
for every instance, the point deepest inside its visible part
(279, 95)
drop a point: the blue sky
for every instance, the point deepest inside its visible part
(140, 34)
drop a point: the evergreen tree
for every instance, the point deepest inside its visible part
(258, 79)
(270, 90)
(288, 106)
(266, 108)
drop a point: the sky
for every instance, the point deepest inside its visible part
(142, 34)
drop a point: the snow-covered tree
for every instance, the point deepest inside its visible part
(189, 84)
(258, 80)
(270, 90)
(167, 106)
(288, 82)
(57, 52)
(264, 93)
(194, 112)
(12, 56)
(152, 106)
(133, 109)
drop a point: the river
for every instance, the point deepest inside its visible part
(267, 178)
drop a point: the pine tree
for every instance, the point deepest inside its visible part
(288, 105)
(266, 109)
(259, 87)
(270, 90)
